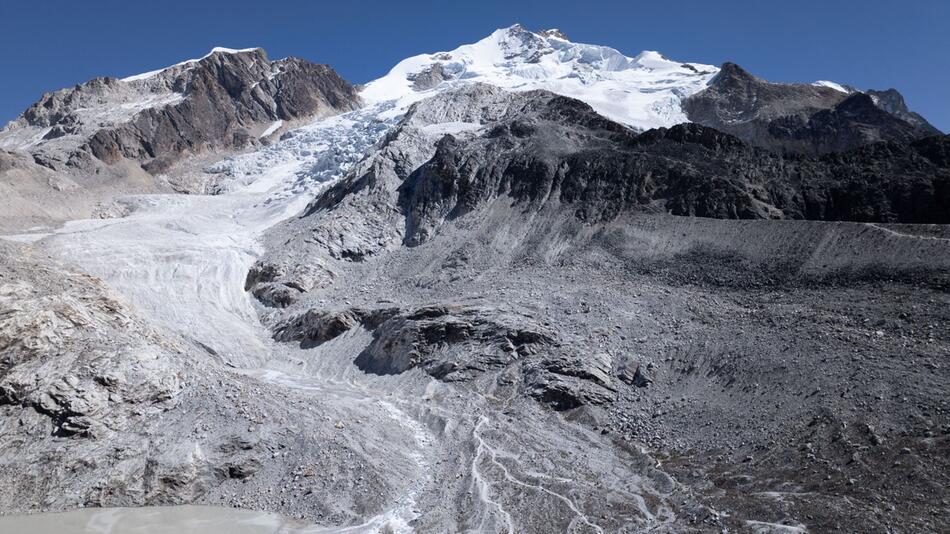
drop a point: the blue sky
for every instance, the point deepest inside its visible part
(877, 44)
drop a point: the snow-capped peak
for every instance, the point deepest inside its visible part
(215, 50)
(643, 91)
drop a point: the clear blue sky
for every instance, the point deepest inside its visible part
(877, 44)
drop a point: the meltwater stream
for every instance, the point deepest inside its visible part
(157, 520)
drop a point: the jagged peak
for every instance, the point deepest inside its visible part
(732, 71)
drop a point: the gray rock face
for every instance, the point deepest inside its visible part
(854, 122)
(741, 104)
(278, 285)
(451, 342)
(53, 363)
(554, 32)
(687, 169)
(802, 118)
(315, 327)
(459, 343)
(57, 109)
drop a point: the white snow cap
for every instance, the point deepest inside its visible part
(832, 85)
(642, 91)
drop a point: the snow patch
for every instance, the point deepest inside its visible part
(832, 85)
(272, 128)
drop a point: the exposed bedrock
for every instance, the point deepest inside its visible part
(601, 170)
(459, 343)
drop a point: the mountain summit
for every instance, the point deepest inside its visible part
(644, 91)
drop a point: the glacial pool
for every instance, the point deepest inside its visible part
(164, 520)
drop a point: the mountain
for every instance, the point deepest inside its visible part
(154, 132)
(456, 154)
(802, 118)
(234, 99)
(526, 285)
(644, 91)
(228, 99)
(558, 150)
(892, 101)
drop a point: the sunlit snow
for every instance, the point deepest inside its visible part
(832, 85)
(642, 91)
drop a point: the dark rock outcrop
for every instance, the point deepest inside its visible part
(854, 122)
(450, 342)
(567, 381)
(315, 327)
(278, 285)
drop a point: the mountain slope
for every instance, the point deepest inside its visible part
(77, 151)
